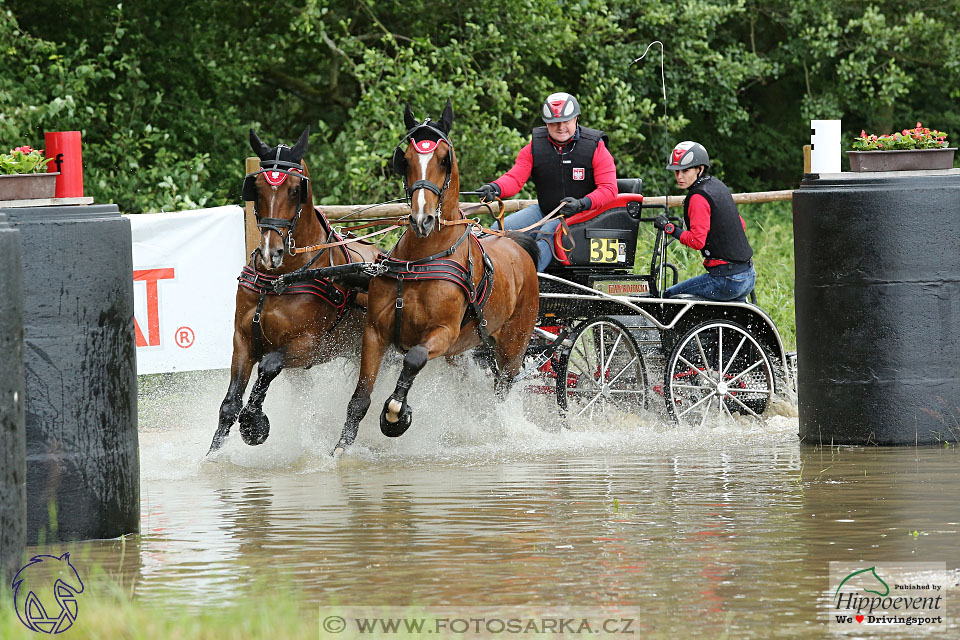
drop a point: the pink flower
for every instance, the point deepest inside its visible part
(24, 149)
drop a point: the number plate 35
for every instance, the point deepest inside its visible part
(607, 250)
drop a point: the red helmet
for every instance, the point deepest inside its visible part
(560, 107)
(687, 154)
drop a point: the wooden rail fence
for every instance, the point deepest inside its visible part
(338, 211)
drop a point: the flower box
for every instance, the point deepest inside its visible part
(28, 186)
(902, 160)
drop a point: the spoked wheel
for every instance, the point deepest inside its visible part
(602, 372)
(716, 369)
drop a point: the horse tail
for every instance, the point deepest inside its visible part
(527, 243)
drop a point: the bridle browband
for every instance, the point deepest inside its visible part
(398, 159)
(278, 225)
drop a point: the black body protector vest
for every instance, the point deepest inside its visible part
(726, 239)
(570, 174)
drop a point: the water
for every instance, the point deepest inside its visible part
(729, 529)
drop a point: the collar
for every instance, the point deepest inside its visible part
(559, 146)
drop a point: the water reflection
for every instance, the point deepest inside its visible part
(730, 529)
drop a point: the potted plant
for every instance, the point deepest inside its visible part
(23, 175)
(914, 149)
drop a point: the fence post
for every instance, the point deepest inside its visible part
(252, 234)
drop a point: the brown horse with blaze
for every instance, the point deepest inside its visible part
(441, 290)
(310, 322)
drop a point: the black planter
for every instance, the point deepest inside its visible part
(878, 307)
(80, 362)
(13, 478)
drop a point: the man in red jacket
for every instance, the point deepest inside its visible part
(715, 228)
(569, 164)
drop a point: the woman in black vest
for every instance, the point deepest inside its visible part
(568, 164)
(715, 228)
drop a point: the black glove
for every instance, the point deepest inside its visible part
(489, 192)
(574, 205)
(663, 222)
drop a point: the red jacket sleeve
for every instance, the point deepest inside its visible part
(512, 181)
(699, 212)
(605, 175)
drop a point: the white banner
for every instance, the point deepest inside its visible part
(185, 268)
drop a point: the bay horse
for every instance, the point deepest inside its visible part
(311, 322)
(441, 290)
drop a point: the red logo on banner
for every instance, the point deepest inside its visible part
(184, 337)
(151, 277)
(578, 173)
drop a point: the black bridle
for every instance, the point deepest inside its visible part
(278, 225)
(399, 162)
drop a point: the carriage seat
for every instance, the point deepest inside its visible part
(603, 239)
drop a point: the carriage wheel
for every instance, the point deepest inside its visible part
(716, 369)
(602, 372)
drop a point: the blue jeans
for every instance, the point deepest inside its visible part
(526, 217)
(720, 288)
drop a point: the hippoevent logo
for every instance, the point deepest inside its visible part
(893, 595)
(45, 593)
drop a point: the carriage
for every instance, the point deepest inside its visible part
(606, 340)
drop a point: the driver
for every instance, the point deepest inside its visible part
(568, 163)
(715, 229)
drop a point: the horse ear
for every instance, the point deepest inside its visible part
(446, 118)
(257, 145)
(301, 147)
(408, 118)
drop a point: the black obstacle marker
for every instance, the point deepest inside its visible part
(80, 363)
(13, 500)
(878, 307)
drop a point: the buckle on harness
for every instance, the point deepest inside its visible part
(256, 318)
(399, 303)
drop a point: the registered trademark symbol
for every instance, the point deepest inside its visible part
(184, 337)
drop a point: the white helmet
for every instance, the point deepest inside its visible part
(560, 107)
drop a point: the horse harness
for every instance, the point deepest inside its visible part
(263, 284)
(438, 267)
(275, 171)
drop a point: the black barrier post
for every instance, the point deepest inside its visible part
(878, 307)
(80, 363)
(13, 474)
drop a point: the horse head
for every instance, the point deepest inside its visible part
(279, 191)
(426, 160)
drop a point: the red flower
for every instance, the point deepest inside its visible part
(24, 149)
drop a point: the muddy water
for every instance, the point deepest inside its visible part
(729, 529)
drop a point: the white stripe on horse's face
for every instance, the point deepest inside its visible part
(425, 159)
(422, 220)
(271, 243)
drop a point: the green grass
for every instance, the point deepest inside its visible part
(106, 609)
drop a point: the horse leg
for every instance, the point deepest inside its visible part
(397, 415)
(371, 354)
(254, 425)
(511, 346)
(240, 370)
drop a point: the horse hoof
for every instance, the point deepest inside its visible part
(403, 417)
(254, 428)
(393, 410)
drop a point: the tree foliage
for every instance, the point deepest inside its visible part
(164, 93)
